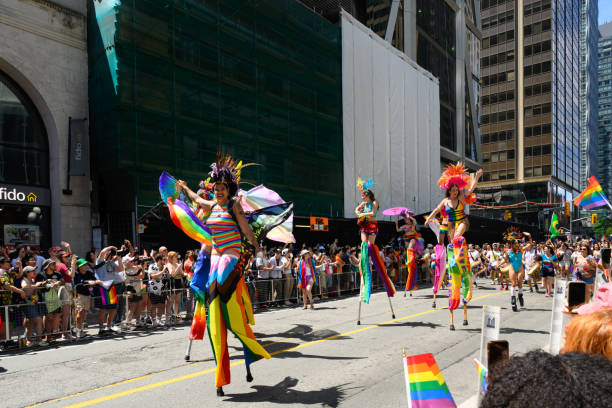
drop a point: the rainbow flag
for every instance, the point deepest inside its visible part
(425, 385)
(482, 375)
(592, 197)
(108, 294)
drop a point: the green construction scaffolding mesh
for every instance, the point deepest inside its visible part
(171, 81)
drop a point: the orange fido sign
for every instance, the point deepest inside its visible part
(319, 224)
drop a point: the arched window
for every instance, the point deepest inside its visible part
(24, 147)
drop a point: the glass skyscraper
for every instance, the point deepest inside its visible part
(589, 35)
(530, 97)
(605, 109)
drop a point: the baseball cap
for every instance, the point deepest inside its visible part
(284, 252)
(28, 269)
(81, 262)
(304, 251)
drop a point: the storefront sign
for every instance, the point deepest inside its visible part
(34, 196)
(79, 147)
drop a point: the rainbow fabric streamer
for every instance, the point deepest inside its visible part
(440, 267)
(412, 270)
(592, 197)
(425, 385)
(366, 274)
(302, 281)
(463, 261)
(379, 265)
(261, 197)
(198, 282)
(454, 296)
(108, 294)
(482, 375)
(186, 221)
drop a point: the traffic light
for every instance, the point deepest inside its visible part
(567, 209)
(593, 218)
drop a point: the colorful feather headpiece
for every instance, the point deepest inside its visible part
(364, 185)
(455, 174)
(514, 235)
(206, 189)
(227, 171)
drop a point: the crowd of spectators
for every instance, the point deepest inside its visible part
(50, 298)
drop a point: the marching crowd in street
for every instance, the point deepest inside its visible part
(48, 299)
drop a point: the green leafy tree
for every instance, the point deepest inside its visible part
(603, 226)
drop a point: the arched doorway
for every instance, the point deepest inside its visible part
(25, 205)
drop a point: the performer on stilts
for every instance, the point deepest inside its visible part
(230, 232)
(366, 212)
(414, 246)
(514, 261)
(439, 256)
(459, 194)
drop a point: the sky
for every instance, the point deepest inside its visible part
(605, 11)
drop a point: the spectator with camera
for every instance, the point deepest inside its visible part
(156, 289)
(33, 317)
(52, 302)
(134, 274)
(84, 281)
(108, 266)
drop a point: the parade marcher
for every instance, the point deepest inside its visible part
(459, 194)
(513, 258)
(549, 263)
(307, 277)
(366, 212)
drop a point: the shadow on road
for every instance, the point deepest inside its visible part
(509, 330)
(414, 324)
(303, 332)
(284, 393)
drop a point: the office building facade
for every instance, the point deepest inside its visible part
(530, 98)
(605, 109)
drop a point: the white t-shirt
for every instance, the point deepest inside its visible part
(277, 272)
(262, 263)
(108, 272)
(287, 265)
(529, 258)
(130, 279)
(494, 258)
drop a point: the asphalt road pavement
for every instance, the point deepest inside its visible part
(320, 358)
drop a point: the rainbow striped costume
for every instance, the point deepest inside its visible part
(224, 230)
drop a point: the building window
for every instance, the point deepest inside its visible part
(24, 149)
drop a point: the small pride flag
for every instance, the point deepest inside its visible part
(108, 294)
(425, 385)
(482, 375)
(592, 197)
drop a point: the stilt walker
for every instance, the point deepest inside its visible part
(233, 235)
(414, 247)
(459, 195)
(366, 212)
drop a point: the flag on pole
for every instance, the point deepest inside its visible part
(425, 385)
(592, 197)
(482, 375)
(554, 226)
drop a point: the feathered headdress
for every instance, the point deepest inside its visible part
(456, 174)
(225, 170)
(514, 235)
(206, 189)
(364, 186)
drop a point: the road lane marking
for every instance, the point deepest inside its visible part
(210, 370)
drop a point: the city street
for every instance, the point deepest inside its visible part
(319, 358)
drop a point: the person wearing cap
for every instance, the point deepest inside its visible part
(33, 318)
(108, 268)
(84, 280)
(133, 284)
(288, 281)
(52, 303)
(276, 274)
(307, 277)
(66, 268)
